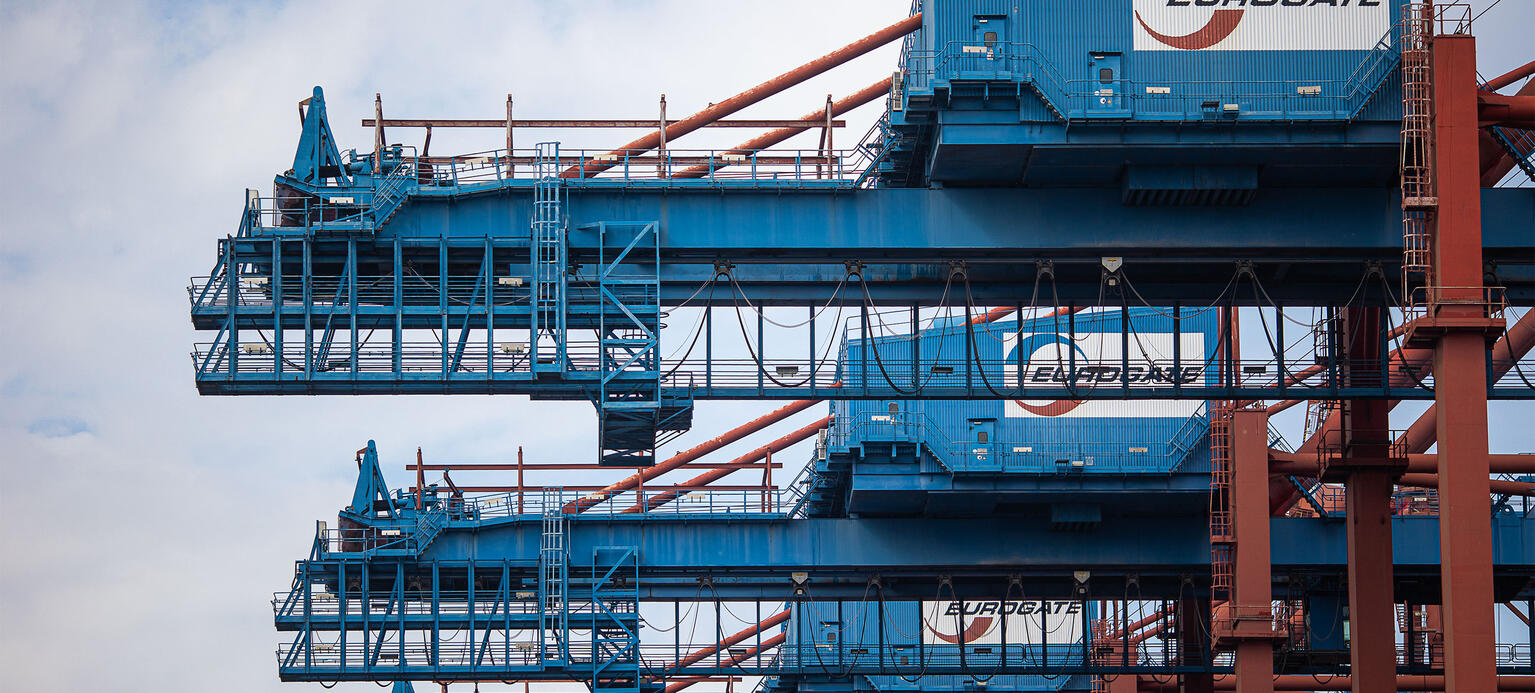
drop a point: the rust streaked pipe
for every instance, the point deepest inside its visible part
(991, 316)
(752, 95)
(682, 458)
(733, 660)
(588, 502)
(1496, 163)
(1512, 488)
(1512, 76)
(1309, 371)
(751, 146)
(703, 653)
(1515, 343)
(732, 466)
(1306, 464)
(1292, 682)
(1512, 111)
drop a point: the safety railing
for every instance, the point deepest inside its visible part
(1147, 456)
(669, 166)
(1089, 379)
(1006, 61)
(1175, 100)
(368, 540)
(486, 605)
(1426, 301)
(497, 652)
(660, 500)
(338, 209)
(211, 293)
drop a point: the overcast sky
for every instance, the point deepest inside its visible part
(142, 528)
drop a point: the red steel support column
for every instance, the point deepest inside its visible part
(1460, 362)
(1253, 584)
(1124, 683)
(1366, 442)
(1193, 626)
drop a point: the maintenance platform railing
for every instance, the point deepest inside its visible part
(925, 70)
(501, 366)
(1037, 457)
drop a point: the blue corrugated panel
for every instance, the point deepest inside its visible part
(1276, 62)
(1019, 434)
(919, 637)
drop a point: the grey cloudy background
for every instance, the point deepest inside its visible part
(142, 528)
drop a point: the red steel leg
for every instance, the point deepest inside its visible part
(1252, 613)
(1460, 362)
(1368, 471)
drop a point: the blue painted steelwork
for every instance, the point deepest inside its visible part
(1035, 150)
(1014, 432)
(908, 636)
(1057, 49)
(360, 615)
(510, 308)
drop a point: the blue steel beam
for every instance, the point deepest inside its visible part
(792, 245)
(753, 558)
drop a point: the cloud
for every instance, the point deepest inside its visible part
(146, 529)
(58, 427)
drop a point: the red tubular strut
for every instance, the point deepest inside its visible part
(752, 95)
(703, 653)
(858, 98)
(1514, 75)
(1517, 342)
(693, 453)
(732, 466)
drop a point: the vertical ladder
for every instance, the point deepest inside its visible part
(1222, 531)
(548, 250)
(552, 572)
(1417, 155)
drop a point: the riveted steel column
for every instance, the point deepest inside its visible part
(1366, 437)
(1192, 620)
(1253, 584)
(1460, 380)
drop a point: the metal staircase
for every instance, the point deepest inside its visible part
(548, 262)
(1520, 145)
(553, 570)
(389, 193)
(615, 603)
(630, 408)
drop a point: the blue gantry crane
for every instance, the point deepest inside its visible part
(1052, 297)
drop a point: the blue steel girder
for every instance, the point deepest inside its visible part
(792, 246)
(753, 558)
(416, 601)
(913, 241)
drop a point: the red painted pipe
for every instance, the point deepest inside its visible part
(1495, 162)
(1512, 488)
(583, 504)
(1344, 683)
(1306, 464)
(1309, 371)
(701, 654)
(1512, 76)
(1511, 111)
(714, 475)
(753, 95)
(858, 98)
(1515, 343)
(770, 643)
